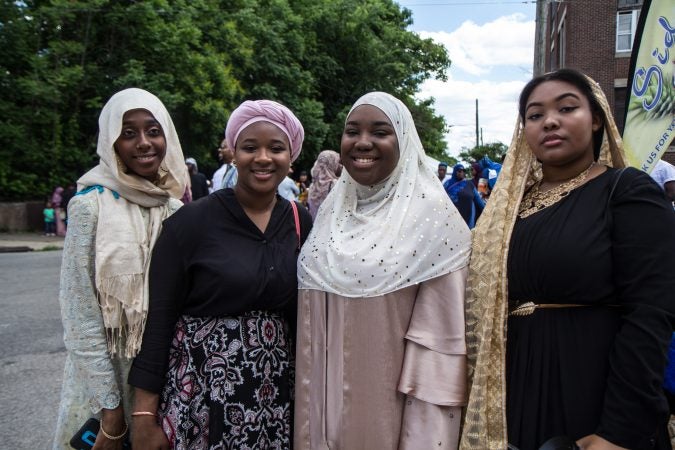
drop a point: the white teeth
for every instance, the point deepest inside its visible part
(364, 160)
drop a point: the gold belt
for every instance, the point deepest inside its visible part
(525, 309)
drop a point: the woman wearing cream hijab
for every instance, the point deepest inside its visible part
(114, 221)
(380, 354)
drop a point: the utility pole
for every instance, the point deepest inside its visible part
(477, 123)
(540, 38)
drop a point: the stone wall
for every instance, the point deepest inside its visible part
(21, 216)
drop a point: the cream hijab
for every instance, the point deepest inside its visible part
(487, 303)
(368, 241)
(123, 240)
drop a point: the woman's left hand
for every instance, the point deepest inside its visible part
(114, 422)
(595, 442)
(103, 443)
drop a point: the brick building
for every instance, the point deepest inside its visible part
(593, 36)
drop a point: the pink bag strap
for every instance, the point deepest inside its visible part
(296, 216)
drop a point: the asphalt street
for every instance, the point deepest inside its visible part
(32, 353)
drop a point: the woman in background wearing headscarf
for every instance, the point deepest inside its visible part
(464, 195)
(216, 366)
(58, 205)
(325, 172)
(570, 300)
(475, 173)
(114, 221)
(381, 360)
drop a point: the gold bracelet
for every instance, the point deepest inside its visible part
(114, 438)
(143, 413)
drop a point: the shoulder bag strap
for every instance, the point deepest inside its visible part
(617, 177)
(296, 216)
(615, 182)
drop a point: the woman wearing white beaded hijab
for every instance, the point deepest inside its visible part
(381, 358)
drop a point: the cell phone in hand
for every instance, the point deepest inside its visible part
(85, 437)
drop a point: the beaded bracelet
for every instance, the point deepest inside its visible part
(143, 413)
(114, 438)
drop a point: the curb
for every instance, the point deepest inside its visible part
(19, 249)
(25, 242)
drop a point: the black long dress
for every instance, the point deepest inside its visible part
(598, 369)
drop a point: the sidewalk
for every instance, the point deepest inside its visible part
(27, 241)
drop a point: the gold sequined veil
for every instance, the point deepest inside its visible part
(484, 424)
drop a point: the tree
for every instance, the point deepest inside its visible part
(73, 56)
(359, 46)
(431, 129)
(495, 151)
(60, 60)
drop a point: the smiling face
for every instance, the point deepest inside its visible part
(369, 148)
(559, 124)
(263, 157)
(141, 145)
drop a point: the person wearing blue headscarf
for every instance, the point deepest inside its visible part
(490, 171)
(464, 195)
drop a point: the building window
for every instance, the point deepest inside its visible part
(553, 18)
(624, 3)
(626, 23)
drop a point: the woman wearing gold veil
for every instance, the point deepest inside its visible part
(569, 310)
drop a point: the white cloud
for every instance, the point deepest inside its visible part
(476, 49)
(456, 101)
(507, 42)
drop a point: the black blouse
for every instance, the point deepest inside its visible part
(595, 369)
(212, 260)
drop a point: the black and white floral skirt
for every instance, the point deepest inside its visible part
(230, 383)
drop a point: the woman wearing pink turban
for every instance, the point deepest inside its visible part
(215, 369)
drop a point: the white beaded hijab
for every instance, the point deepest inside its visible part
(368, 241)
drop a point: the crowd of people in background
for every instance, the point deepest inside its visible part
(468, 194)
(373, 301)
(326, 170)
(55, 212)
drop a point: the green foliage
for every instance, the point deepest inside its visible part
(358, 46)
(495, 151)
(431, 129)
(60, 60)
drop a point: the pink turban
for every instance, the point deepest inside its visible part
(275, 113)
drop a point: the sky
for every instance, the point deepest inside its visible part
(491, 46)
